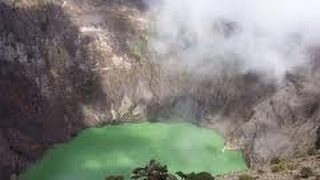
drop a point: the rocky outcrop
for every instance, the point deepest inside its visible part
(285, 123)
(285, 170)
(64, 66)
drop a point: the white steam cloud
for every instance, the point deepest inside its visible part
(264, 36)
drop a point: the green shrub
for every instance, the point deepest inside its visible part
(306, 172)
(195, 176)
(115, 178)
(278, 167)
(275, 160)
(291, 166)
(155, 171)
(246, 177)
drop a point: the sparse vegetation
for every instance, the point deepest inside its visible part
(278, 165)
(277, 168)
(155, 171)
(139, 47)
(275, 160)
(115, 178)
(306, 172)
(246, 177)
(195, 176)
(292, 166)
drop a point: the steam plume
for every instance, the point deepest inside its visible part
(206, 36)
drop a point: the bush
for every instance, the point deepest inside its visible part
(291, 166)
(275, 160)
(155, 171)
(115, 178)
(195, 176)
(246, 177)
(306, 172)
(278, 168)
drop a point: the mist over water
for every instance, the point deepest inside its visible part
(268, 37)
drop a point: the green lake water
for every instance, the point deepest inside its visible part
(117, 150)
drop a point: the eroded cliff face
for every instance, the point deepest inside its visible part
(285, 123)
(67, 65)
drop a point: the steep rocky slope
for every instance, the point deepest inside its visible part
(296, 168)
(67, 65)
